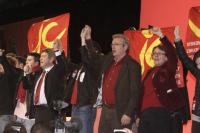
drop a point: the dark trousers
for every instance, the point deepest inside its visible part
(155, 120)
(195, 127)
(177, 125)
(109, 120)
(44, 114)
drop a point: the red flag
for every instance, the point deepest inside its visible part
(42, 34)
(193, 32)
(142, 43)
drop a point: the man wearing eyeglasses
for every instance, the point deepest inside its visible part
(161, 95)
(120, 85)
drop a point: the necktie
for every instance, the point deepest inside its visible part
(74, 93)
(75, 89)
(37, 93)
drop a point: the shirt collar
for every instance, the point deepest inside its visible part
(48, 68)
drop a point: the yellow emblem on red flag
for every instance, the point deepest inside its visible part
(192, 44)
(42, 34)
(142, 43)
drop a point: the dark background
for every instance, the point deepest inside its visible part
(106, 17)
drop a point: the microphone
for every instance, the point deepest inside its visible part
(75, 124)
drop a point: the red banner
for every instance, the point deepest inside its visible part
(142, 43)
(42, 34)
(192, 44)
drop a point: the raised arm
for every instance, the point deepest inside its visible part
(8, 68)
(189, 63)
(169, 48)
(61, 66)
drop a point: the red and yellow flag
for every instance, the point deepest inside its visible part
(142, 43)
(192, 44)
(42, 34)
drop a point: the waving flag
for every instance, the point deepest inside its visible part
(42, 34)
(142, 43)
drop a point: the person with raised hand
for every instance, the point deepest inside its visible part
(161, 95)
(193, 65)
(49, 84)
(82, 81)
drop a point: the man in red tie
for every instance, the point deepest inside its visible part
(50, 83)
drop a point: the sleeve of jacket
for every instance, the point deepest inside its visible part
(89, 56)
(135, 87)
(28, 82)
(9, 69)
(59, 71)
(61, 66)
(171, 55)
(188, 63)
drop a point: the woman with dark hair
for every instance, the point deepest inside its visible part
(194, 67)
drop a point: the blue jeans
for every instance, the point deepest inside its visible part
(28, 123)
(87, 115)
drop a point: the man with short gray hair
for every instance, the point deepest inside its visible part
(120, 85)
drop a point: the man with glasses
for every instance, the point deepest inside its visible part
(120, 86)
(160, 95)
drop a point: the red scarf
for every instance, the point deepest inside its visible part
(21, 94)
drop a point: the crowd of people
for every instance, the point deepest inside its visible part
(29, 88)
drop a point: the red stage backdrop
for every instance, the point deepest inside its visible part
(42, 34)
(142, 43)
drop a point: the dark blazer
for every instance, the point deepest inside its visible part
(54, 88)
(54, 81)
(91, 71)
(164, 80)
(128, 85)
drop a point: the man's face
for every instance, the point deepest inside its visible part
(159, 57)
(45, 61)
(31, 62)
(118, 49)
(197, 61)
(1, 69)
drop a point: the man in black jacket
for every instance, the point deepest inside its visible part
(49, 84)
(8, 81)
(120, 85)
(82, 82)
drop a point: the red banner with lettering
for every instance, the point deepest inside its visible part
(142, 43)
(42, 34)
(192, 44)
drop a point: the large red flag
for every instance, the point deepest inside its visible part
(42, 34)
(142, 43)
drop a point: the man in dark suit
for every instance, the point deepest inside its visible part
(49, 84)
(120, 87)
